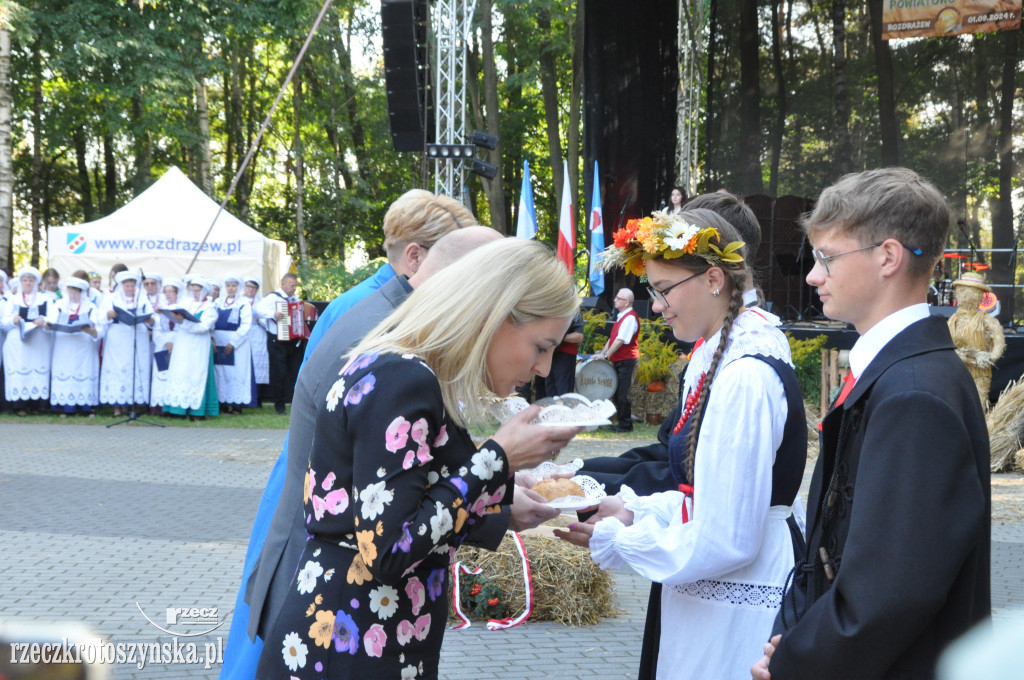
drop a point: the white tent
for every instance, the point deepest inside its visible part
(161, 230)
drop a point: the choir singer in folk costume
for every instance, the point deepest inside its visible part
(28, 345)
(192, 388)
(235, 385)
(119, 357)
(75, 373)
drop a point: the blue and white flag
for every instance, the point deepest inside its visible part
(526, 219)
(596, 236)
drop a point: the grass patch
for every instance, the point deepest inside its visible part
(263, 418)
(641, 431)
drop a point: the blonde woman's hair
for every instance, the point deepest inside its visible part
(421, 217)
(450, 320)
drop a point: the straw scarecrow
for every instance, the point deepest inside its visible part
(978, 337)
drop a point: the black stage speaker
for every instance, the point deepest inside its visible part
(405, 27)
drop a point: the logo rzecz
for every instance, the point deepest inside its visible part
(76, 243)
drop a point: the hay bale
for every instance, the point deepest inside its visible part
(643, 402)
(567, 586)
(813, 420)
(1005, 423)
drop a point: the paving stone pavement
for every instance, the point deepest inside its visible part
(110, 527)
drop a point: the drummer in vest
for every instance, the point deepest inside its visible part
(621, 349)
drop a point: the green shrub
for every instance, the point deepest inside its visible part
(807, 360)
(327, 279)
(656, 354)
(593, 337)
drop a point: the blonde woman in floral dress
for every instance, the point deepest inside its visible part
(395, 483)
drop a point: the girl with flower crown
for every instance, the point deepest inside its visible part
(722, 545)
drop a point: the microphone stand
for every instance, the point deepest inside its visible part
(132, 416)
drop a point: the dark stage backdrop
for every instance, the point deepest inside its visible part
(631, 77)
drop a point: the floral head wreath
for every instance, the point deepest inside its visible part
(668, 237)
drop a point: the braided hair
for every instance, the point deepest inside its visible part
(736, 279)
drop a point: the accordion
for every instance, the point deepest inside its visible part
(293, 326)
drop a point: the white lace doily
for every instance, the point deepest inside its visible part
(548, 469)
(567, 410)
(593, 491)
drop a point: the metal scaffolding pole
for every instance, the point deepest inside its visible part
(452, 25)
(691, 81)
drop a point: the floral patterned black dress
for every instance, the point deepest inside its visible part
(392, 489)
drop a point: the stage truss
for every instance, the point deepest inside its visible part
(452, 23)
(692, 18)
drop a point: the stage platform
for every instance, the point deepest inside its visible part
(842, 336)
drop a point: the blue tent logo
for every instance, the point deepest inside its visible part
(76, 243)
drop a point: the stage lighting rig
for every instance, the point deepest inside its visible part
(485, 140)
(484, 169)
(453, 151)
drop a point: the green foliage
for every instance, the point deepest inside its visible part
(480, 597)
(327, 279)
(656, 354)
(593, 339)
(807, 360)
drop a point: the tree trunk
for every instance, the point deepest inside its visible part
(575, 111)
(36, 183)
(549, 90)
(749, 176)
(888, 125)
(109, 174)
(6, 150)
(297, 145)
(97, 182)
(143, 148)
(843, 148)
(493, 188)
(84, 185)
(1002, 224)
(780, 101)
(351, 99)
(204, 171)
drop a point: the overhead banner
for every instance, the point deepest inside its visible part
(937, 18)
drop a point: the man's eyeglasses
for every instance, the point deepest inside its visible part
(823, 259)
(659, 295)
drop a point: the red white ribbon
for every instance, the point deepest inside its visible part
(687, 491)
(494, 624)
(501, 624)
(457, 570)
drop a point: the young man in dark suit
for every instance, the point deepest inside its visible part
(898, 523)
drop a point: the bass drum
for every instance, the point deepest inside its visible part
(596, 379)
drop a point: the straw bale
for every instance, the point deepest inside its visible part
(1006, 428)
(567, 586)
(813, 419)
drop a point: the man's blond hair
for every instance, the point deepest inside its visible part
(421, 217)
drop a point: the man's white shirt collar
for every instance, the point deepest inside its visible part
(878, 336)
(624, 312)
